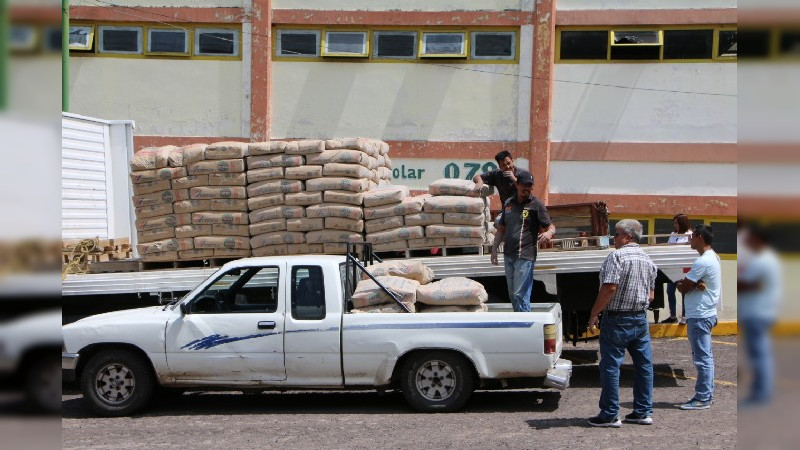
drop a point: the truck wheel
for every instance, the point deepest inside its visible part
(117, 383)
(43, 384)
(437, 381)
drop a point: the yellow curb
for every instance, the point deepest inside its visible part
(673, 330)
(786, 329)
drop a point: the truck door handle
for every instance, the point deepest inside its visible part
(266, 325)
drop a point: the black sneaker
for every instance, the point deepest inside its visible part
(670, 320)
(608, 423)
(638, 419)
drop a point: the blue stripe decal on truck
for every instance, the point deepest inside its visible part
(417, 326)
(218, 339)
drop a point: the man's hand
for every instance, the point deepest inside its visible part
(510, 175)
(545, 237)
(593, 321)
(493, 258)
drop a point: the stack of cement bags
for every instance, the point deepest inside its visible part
(456, 294)
(385, 211)
(463, 213)
(153, 171)
(217, 202)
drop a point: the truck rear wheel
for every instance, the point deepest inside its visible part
(437, 381)
(117, 383)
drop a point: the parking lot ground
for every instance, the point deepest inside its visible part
(492, 419)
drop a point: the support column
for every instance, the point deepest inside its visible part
(261, 71)
(544, 32)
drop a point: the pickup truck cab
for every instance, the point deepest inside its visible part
(284, 323)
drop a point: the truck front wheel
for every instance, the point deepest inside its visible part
(437, 381)
(117, 383)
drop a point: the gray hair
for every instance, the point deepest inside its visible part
(631, 228)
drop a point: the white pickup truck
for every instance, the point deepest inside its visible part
(284, 323)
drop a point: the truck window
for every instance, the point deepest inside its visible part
(308, 293)
(253, 290)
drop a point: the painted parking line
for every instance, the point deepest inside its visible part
(713, 341)
(675, 376)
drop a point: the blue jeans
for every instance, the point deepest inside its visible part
(617, 334)
(673, 301)
(519, 278)
(759, 351)
(699, 331)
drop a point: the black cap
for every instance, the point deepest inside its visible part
(525, 178)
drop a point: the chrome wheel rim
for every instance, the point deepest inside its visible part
(115, 383)
(435, 380)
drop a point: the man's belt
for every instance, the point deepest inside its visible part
(625, 313)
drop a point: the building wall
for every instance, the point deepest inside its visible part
(572, 5)
(407, 5)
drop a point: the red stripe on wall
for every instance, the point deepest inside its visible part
(644, 152)
(647, 17)
(388, 18)
(147, 14)
(655, 204)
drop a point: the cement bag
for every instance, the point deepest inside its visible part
(334, 249)
(215, 242)
(271, 250)
(268, 173)
(341, 156)
(305, 147)
(151, 158)
(386, 223)
(222, 229)
(209, 218)
(385, 195)
(384, 148)
(218, 166)
(339, 223)
(368, 292)
(453, 204)
(166, 245)
(227, 204)
(151, 186)
(347, 197)
(326, 210)
(305, 225)
(342, 184)
(196, 253)
(231, 253)
(163, 256)
(387, 161)
(398, 234)
(226, 150)
(372, 186)
(426, 243)
(415, 204)
(172, 220)
(333, 237)
(451, 186)
(264, 201)
(390, 246)
(156, 234)
(386, 308)
(454, 231)
(161, 209)
(167, 173)
(303, 172)
(190, 181)
(413, 270)
(369, 146)
(463, 242)
(453, 308)
(474, 220)
(384, 182)
(276, 212)
(409, 205)
(190, 231)
(187, 155)
(384, 173)
(262, 162)
(304, 249)
(274, 187)
(281, 237)
(266, 148)
(452, 291)
(161, 197)
(208, 192)
(303, 198)
(424, 219)
(268, 226)
(346, 170)
(227, 179)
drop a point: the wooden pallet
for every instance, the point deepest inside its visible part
(440, 251)
(186, 263)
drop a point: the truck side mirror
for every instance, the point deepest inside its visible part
(184, 308)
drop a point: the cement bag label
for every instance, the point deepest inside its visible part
(219, 166)
(227, 179)
(348, 197)
(339, 223)
(166, 245)
(304, 225)
(208, 192)
(230, 218)
(215, 242)
(154, 210)
(226, 150)
(267, 227)
(268, 173)
(283, 237)
(190, 181)
(344, 211)
(171, 220)
(264, 201)
(156, 234)
(452, 291)
(274, 187)
(227, 204)
(368, 292)
(303, 198)
(151, 186)
(189, 231)
(303, 172)
(261, 162)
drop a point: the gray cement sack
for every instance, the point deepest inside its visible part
(305, 225)
(303, 198)
(172, 220)
(227, 179)
(347, 197)
(226, 150)
(261, 162)
(268, 226)
(453, 204)
(385, 195)
(471, 219)
(190, 181)
(190, 231)
(453, 308)
(231, 253)
(451, 186)
(452, 291)
(218, 166)
(339, 223)
(336, 183)
(163, 256)
(156, 234)
(274, 187)
(266, 148)
(413, 270)
(390, 246)
(409, 205)
(151, 186)
(334, 210)
(161, 209)
(209, 192)
(424, 219)
(397, 234)
(151, 158)
(346, 170)
(305, 147)
(305, 249)
(271, 250)
(425, 243)
(196, 254)
(215, 242)
(384, 173)
(281, 237)
(220, 229)
(386, 309)
(161, 197)
(210, 218)
(369, 293)
(265, 174)
(386, 223)
(454, 231)
(333, 237)
(187, 155)
(166, 245)
(303, 172)
(343, 157)
(264, 201)
(167, 173)
(228, 204)
(277, 212)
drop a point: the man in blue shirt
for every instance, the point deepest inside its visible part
(701, 293)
